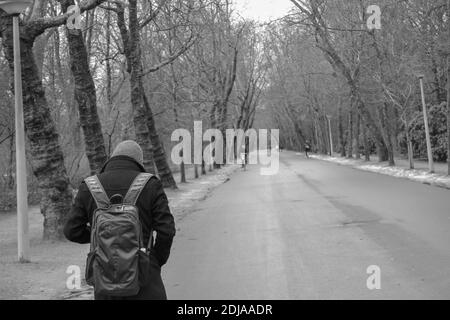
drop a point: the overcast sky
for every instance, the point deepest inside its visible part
(263, 10)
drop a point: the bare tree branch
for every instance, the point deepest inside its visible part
(153, 14)
(173, 57)
(36, 27)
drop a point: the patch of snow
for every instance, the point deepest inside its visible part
(422, 176)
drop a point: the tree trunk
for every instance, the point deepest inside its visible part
(350, 135)
(90, 18)
(133, 53)
(183, 172)
(448, 107)
(316, 143)
(230, 80)
(325, 134)
(391, 156)
(357, 134)
(65, 87)
(109, 98)
(182, 169)
(382, 152)
(40, 43)
(439, 90)
(11, 166)
(159, 155)
(39, 50)
(322, 144)
(203, 167)
(448, 94)
(85, 96)
(341, 131)
(385, 122)
(144, 123)
(213, 123)
(48, 159)
(366, 143)
(410, 149)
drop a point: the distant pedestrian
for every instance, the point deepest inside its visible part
(244, 158)
(307, 148)
(117, 212)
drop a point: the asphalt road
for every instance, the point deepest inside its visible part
(311, 232)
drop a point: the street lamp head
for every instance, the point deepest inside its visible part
(420, 76)
(15, 6)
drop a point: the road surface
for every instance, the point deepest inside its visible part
(311, 232)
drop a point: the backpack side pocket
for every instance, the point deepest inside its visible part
(89, 272)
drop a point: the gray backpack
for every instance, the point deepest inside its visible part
(117, 264)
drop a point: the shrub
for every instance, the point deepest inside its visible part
(437, 120)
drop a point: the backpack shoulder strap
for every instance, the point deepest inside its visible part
(97, 192)
(136, 188)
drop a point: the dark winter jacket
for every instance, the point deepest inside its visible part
(116, 177)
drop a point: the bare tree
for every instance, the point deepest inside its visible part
(85, 96)
(48, 159)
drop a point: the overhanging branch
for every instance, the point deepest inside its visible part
(36, 27)
(173, 57)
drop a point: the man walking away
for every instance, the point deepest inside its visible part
(117, 212)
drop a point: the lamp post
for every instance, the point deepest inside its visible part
(15, 8)
(427, 129)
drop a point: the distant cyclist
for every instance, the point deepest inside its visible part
(307, 148)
